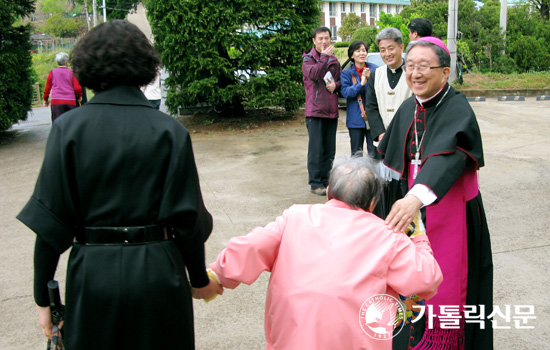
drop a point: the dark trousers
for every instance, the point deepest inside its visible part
(57, 110)
(357, 136)
(321, 149)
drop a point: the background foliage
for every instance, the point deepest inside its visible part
(350, 24)
(206, 46)
(482, 47)
(15, 63)
(62, 27)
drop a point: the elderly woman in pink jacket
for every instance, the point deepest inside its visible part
(335, 268)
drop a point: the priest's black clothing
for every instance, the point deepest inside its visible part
(445, 132)
(117, 162)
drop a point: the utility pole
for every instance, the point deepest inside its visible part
(104, 12)
(503, 16)
(451, 36)
(87, 14)
(94, 12)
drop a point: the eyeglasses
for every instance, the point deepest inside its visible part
(422, 68)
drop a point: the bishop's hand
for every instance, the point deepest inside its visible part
(402, 213)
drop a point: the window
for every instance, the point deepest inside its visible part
(362, 8)
(372, 10)
(351, 7)
(388, 9)
(343, 7)
(321, 6)
(333, 31)
(332, 9)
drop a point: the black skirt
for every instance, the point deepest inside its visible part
(128, 297)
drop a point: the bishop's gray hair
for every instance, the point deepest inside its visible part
(356, 182)
(443, 57)
(62, 58)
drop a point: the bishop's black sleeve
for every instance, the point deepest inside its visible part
(375, 120)
(45, 264)
(440, 172)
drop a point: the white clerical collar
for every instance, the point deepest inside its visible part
(422, 101)
(395, 70)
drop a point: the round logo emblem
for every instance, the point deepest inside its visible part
(382, 316)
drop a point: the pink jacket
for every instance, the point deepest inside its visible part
(325, 261)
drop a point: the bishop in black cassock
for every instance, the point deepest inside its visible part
(434, 142)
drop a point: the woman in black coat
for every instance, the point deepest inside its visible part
(119, 185)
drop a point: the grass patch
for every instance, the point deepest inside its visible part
(490, 81)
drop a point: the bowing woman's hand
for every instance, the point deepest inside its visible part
(402, 213)
(208, 291)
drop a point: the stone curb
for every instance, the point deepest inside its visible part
(511, 98)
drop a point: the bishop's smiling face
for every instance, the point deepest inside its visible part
(425, 83)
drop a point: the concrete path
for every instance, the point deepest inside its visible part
(249, 178)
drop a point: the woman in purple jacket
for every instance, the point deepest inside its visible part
(63, 87)
(356, 92)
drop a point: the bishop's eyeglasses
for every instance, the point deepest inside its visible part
(421, 68)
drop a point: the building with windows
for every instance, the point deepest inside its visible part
(333, 12)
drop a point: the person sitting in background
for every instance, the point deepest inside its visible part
(63, 87)
(325, 261)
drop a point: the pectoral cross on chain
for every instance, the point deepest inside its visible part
(416, 162)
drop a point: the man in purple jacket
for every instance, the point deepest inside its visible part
(321, 72)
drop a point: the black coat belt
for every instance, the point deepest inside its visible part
(125, 235)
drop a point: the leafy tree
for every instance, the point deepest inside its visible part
(114, 9)
(482, 44)
(61, 27)
(118, 9)
(368, 35)
(214, 51)
(543, 6)
(395, 21)
(15, 63)
(435, 11)
(350, 24)
(52, 6)
(530, 53)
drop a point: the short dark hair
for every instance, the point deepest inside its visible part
(319, 30)
(422, 26)
(356, 182)
(356, 45)
(114, 53)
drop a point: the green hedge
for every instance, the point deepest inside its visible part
(15, 63)
(342, 44)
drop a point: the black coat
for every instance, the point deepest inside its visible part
(118, 162)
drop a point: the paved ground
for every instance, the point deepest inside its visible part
(249, 178)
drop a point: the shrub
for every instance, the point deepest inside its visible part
(368, 35)
(505, 65)
(204, 44)
(15, 63)
(342, 44)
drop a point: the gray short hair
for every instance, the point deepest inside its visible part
(62, 58)
(390, 33)
(356, 182)
(443, 58)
